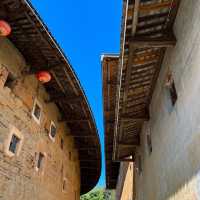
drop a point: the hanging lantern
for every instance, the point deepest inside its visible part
(5, 28)
(43, 76)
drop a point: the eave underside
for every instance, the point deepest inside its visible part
(41, 52)
(147, 31)
(109, 68)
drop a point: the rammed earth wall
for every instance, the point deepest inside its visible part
(172, 170)
(19, 177)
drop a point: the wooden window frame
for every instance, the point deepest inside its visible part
(36, 102)
(42, 167)
(170, 84)
(50, 128)
(65, 181)
(18, 134)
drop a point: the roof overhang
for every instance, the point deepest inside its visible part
(110, 64)
(41, 52)
(147, 31)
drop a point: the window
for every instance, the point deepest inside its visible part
(13, 143)
(64, 185)
(52, 132)
(40, 159)
(171, 86)
(37, 111)
(139, 165)
(149, 143)
(61, 143)
(9, 81)
(173, 93)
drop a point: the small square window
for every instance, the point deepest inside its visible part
(61, 143)
(14, 144)
(52, 131)
(37, 111)
(171, 86)
(64, 185)
(173, 93)
(139, 165)
(149, 143)
(40, 159)
(9, 81)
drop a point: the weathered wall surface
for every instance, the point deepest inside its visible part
(127, 191)
(19, 179)
(172, 170)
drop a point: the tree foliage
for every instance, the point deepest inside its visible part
(98, 194)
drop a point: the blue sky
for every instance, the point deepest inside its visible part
(85, 30)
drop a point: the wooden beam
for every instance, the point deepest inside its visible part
(155, 6)
(124, 145)
(153, 16)
(143, 115)
(135, 16)
(165, 41)
(151, 25)
(152, 7)
(34, 70)
(83, 136)
(89, 160)
(87, 148)
(129, 66)
(128, 119)
(74, 120)
(88, 167)
(63, 97)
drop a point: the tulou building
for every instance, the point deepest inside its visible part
(49, 145)
(151, 102)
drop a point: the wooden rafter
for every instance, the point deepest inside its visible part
(164, 41)
(41, 52)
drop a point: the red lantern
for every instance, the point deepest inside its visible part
(43, 76)
(5, 28)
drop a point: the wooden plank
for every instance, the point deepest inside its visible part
(151, 25)
(124, 145)
(135, 16)
(75, 120)
(144, 115)
(156, 6)
(135, 119)
(151, 7)
(133, 82)
(165, 41)
(148, 18)
(153, 17)
(129, 66)
(159, 64)
(63, 97)
(144, 59)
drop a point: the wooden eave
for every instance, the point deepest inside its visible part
(32, 38)
(147, 30)
(109, 73)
